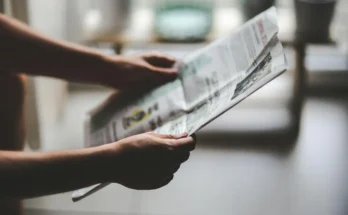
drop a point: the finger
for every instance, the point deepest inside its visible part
(186, 144)
(160, 60)
(168, 166)
(162, 182)
(157, 76)
(175, 169)
(182, 135)
(163, 72)
(184, 156)
(179, 157)
(169, 136)
(194, 137)
(164, 136)
(168, 179)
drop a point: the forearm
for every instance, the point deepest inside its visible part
(22, 50)
(25, 174)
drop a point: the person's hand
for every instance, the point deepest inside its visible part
(140, 72)
(149, 160)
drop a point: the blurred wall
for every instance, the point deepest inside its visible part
(48, 17)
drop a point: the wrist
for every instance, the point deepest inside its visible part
(88, 66)
(107, 162)
(98, 70)
(110, 73)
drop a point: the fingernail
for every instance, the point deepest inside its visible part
(173, 70)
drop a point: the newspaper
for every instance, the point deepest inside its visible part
(211, 81)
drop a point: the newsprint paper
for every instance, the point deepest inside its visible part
(211, 81)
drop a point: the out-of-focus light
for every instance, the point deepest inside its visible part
(92, 21)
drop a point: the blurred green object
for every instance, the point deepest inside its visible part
(183, 20)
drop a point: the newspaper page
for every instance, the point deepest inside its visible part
(211, 81)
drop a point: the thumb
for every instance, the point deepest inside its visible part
(163, 70)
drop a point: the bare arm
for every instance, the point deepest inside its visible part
(24, 174)
(145, 161)
(23, 50)
(26, 51)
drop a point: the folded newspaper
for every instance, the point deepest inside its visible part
(211, 81)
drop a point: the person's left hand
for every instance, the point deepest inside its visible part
(140, 72)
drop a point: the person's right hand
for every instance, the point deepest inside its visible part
(148, 161)
(137, 72)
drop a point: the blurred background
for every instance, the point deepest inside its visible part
(281, 151)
